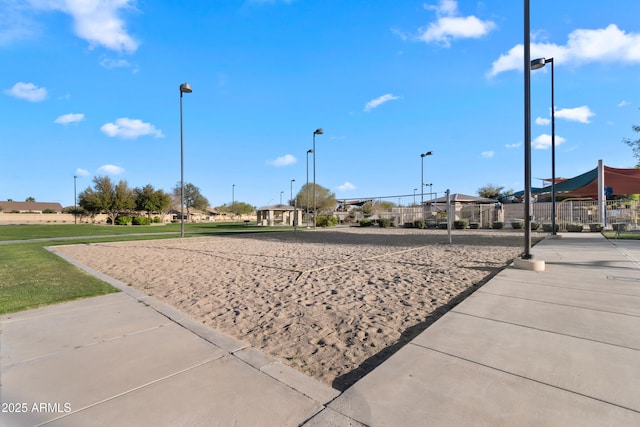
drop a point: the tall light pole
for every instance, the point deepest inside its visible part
(291, 198)
(527, 133)
(307, 205)
(184, 88)
(318, 131)
(233, 196)
(422, 156)
(75, 200)
(536, 64)
(281, 196)
(414, 196)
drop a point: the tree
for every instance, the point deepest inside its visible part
(150, 200)
(376, 206)
(236, 208)
(634, 144)
(30, 199)
(490, 191)
(193, 199)
(325, 199)
(107, 197)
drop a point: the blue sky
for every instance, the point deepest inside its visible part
(92, 88)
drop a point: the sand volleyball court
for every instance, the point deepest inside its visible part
(331, 303)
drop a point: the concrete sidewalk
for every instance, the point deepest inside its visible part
(126, 359)
(556, 348)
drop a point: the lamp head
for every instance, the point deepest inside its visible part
(536, 64)
(309, 151)
(318, 131)
(428, 153)
(185, 88)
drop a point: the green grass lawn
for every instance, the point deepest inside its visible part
(31, 276)
(42, 231)
(629, 235)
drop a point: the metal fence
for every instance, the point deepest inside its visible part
(578, 212)
(567, 212)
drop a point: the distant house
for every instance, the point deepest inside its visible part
(30, 207)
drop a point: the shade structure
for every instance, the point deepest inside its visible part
(620, 180)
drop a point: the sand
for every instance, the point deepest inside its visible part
(330, 303)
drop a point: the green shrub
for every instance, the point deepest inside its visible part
(385, 222)
(547, 226)
(123, 220)
(48, 211)
(517, 224)
(574, 228)
(596, 227)
(366, 222)
(621, 227)
(157, 220)
(460, 224)
(419, 223)
(326, 221)
(141, 220)
(497, 225)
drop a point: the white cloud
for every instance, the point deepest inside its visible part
(98, 22)
(488, 154)
(515, 145)
(82, 172)
(452, 26)
(624, 103)
(27, 91)
(346, 186)
(542, 121)
(130, 129)
(609, 44)
(110, 169)
(110, 63)
(543, 141)
(285, 160)
(65, 119)
(374, 103)
(15, 24)
(578, 114)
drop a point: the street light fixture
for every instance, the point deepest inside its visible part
(318, 131)
(307, 205)
(233, 197)
(291, 191)
(536, 64)
(75, 200)
(184, 88)
(422, 156)
(281, 196)
(430, 192)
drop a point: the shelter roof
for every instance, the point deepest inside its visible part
(462, 198)
(621, 181)
(279, 207)
(29, 206)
